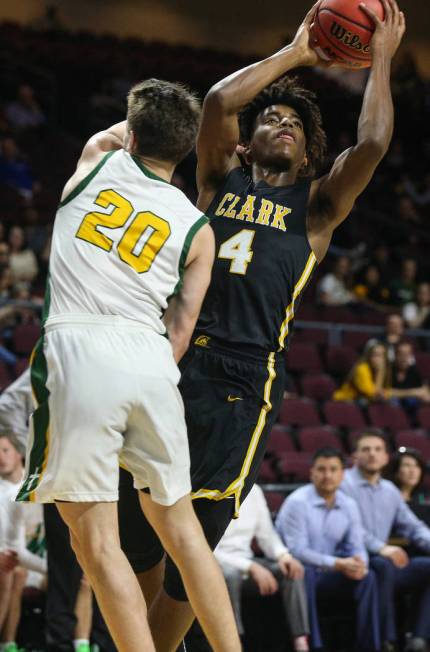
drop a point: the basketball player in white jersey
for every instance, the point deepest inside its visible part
(104, 372)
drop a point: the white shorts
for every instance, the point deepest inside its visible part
(106, 394)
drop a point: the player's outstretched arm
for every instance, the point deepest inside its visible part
(333, 196)
(181, 315)
(219, 130)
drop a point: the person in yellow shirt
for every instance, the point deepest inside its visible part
(370, 377)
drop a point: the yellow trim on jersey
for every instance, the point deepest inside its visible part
(32, 493)
(235, 488)
(289, 313)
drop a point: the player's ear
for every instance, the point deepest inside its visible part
(305, 163)
(130, 141)
(244, 152)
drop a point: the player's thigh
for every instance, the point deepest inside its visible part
(93, 528)
(139, 540)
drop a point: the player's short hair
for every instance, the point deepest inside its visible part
(13, 440)
(288, 91)
(371, 432)
(164, 118)
(327, 452)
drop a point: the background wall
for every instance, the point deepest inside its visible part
(247, 26)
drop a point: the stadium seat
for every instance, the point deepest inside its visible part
(294, 467)
(342, 414)
(356, 339)
(25, 337)
(279, 441)
(386, 415)
(340, 360)
(20, 366)
(423, 364)
(303, 358)
(267, 472)
(423, 416)
(319, 387)
(414, 439)
(274, 501)
(317, 336)
(336, 314)
(5, 376)
(310, 439)
(299, 412)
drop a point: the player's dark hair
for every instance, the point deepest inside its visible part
(371, 432)
(328, 452)
(164, 118)
(288, 91)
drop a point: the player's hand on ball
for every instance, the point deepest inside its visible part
(388, 32)
(308, 56)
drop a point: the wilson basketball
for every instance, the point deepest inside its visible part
(342, 32)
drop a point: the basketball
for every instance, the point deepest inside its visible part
(342, 32)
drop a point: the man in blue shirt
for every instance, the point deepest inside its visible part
(322, 528)
(383, 510)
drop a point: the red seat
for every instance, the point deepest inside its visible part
(340, 360)
(274, 501)
(356, 339)
(5, 376)
(299, 412)
(267, 472)
(319, 387)
(423, 364)
(279, 441)
(336, 314)
(342, 414)
(295, 467)
(303, 358)
(423, 416)
(414, 439)
(386, 415)
(20, 366)
(25, 337)
(311, 439)
(311, 336)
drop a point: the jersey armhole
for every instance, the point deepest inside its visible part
(186, 248)
(86, 180)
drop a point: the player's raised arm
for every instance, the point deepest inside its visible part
(181, 315)
(219, 130)
(333, 196)
(104, 141)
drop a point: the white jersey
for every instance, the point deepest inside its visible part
(120, 243)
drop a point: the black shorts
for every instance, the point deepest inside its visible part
(231, 403)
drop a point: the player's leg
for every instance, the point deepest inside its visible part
(83, 612)
(183, 539)
(95, 540)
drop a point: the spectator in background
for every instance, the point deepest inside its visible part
(25, 112)
(381, 257)
(14, 170)
(420, 197)
(369, 379)
(35, 234)
(383, 511)
(246, 574)
(417, 313)
(23, 261)
(371, 290)
(6, 282)
(394, 333)
(50, 21)
(407, 470)
(407, 383)
(322, 528)
(334, 289)
(403, 288)
(4, 255)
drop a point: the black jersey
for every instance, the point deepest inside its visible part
(262, 265)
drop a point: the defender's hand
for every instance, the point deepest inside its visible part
(388, 32)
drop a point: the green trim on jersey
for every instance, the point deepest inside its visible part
(84, 183)
(146, 171)
(40, 419)
(186, 248)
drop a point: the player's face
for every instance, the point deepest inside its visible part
(10, 459)
(327, 474)
(279, 139)
(371, 454)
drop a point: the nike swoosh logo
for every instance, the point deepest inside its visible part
(231, 398)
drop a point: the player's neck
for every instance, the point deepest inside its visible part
(163, 169)
(273, 177)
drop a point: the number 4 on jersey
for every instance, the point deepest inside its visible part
(238, 250)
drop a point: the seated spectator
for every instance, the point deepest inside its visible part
(6, 283)
(394, 333)
(407, 470)
(322, 528)
(369, 378)
(334, 289)
(403, 288)
(383, 511)
(420, 197)
(417, 313)
(4, 256)
(371, 290)
(23, 261)
(406, 380)
(36, 234)
(25, 111)
(246, 574)
(14, 170)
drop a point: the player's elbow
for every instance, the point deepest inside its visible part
(217, 99)
(375, 147)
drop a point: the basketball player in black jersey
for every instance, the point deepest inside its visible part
(273, 225)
